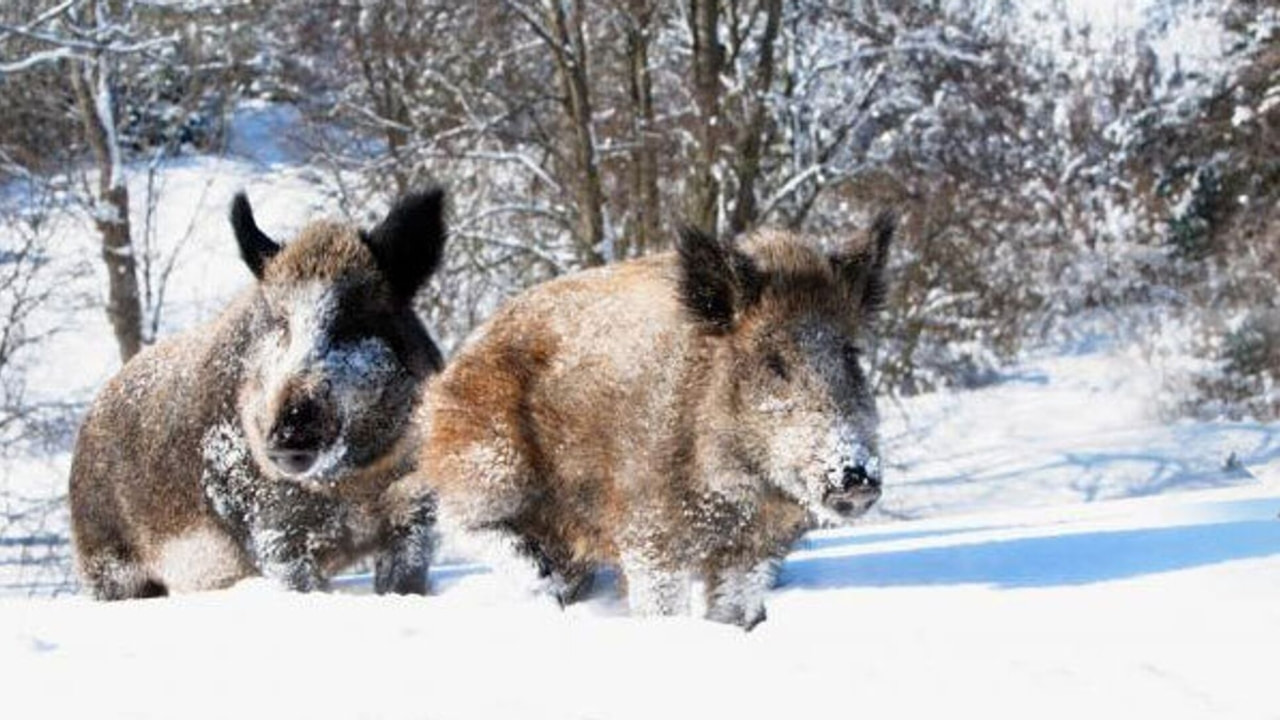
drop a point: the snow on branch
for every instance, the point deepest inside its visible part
(70, 43)
(52, 13)
(519, 159)
(791, 186)
(563, 52)
(40, 58)
(933, 48)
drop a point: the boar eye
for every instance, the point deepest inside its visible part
(776, 365)
(345, 329)
(282, 324)
(852, 357)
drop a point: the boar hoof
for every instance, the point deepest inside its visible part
(391, 577)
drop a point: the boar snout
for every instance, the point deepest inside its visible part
(304, 427)
(855, 486)
(858, 478)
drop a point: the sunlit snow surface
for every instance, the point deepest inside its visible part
(1161, 607)
(1063, 427)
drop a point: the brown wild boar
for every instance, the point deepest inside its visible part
(684, 416)
(263, 442)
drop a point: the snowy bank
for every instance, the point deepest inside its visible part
(1157, 607)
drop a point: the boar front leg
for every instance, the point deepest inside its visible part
(404, 556)
(283, 557)
(291, 535)
(735, 594)
(654, 587)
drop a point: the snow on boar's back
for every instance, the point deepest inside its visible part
(684, 416)
(264, 442)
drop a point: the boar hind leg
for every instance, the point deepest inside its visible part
(511, 555)
(113, 573)
(496, 542)
(568, 581)
(735, 595)
(485, 487)
(578, 582)
(108, 562)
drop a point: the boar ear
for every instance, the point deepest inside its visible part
(255, 247)
(863, 268)
(716, 281)
(413, 345)
(409, 242)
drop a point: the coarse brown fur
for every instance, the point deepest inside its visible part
(682, 416)
(176, 483)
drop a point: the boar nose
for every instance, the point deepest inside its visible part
(293, 462)
(295, 441)
(860, 477)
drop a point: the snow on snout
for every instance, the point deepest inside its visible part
(295, 346)
(846, 449)
(353, 374)
(351, 370)
(310, 310)
(359, 368)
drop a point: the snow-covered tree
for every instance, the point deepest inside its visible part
(89, 38)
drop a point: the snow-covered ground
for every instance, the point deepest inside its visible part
(1047, 546)
(1060, 427)
(1158, 607)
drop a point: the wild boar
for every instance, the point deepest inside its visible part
(682, 417)
(263, 442)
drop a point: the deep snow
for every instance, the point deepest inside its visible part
(1159, 607)
(1061, 427)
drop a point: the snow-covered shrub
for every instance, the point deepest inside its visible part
(1210, 151)
(1189, 227)
(160, 113)
(37, 132)
(177, 95)
(1254, 348)
(28, 281)
(1238, 376)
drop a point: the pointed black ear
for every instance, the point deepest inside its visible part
(716, 282)
(255, 247)
(863, 268)
(409, 243)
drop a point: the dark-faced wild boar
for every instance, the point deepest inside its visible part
(264, 441)
(683, 417)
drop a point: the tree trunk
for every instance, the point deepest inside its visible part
(645, 233)
(751, 141)
(124, 309)
(91, 81)
(569, 49)
(703, 197)
(374, 51)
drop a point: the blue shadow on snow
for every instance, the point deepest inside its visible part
(1043, 561)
